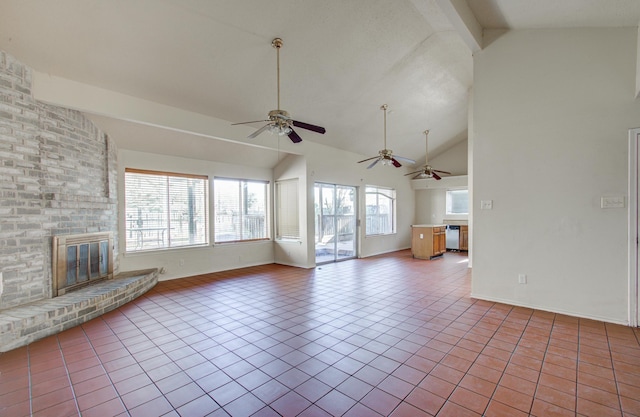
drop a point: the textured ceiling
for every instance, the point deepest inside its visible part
(340, 61)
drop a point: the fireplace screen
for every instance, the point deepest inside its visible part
(81, 259)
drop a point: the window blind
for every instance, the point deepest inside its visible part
(165, 210)
(287, 221)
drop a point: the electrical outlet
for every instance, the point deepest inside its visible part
(522, 278)
(486, 205)
(421, 236)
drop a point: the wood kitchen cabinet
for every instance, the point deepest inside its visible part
(464, 238)
(428, 241)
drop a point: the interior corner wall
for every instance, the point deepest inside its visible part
(552, 109)
(290, 252)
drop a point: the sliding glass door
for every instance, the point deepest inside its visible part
(335, 220)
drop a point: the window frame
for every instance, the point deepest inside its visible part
(167, 175)
(449, 203)
(267, 223)
(379, 190)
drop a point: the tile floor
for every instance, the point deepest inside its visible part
(388, 335)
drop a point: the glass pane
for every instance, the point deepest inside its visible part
(335, 222)
(146, 210)
(104, 257)
(165, 211)
(83, 265)
(345, 222)
(254, 216)
(458, 202)
(227, 206)
(187, 222)
(72, 264)
(94, 260)
(240, 210)
(380, 208)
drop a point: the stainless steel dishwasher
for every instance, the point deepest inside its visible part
(453, 237)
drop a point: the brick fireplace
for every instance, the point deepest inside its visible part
(58, 216)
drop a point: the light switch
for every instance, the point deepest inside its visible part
(612, 202)
(486, 204)
(421, 236)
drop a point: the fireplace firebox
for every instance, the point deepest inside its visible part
(79, 260)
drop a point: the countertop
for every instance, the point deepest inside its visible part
(428, 225)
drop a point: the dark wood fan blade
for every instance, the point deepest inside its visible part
(369, 159)
(244, 123)
(414, 172)
(373, 163)
(295, 138)
(308, 126)
(442, 172)
(396, 163)
(434, 175)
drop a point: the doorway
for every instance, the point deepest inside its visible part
(335, 222)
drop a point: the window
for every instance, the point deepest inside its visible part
(240, 210)
(164, 210)
(381, 210)
(287, 224)
(457, 201)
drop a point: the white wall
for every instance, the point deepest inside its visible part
(324, 164)
(453, 160)
(552, 109)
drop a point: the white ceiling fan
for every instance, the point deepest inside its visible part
(279, 121)
(386, 155)
(427, 171)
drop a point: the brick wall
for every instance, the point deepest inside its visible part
(58, 175)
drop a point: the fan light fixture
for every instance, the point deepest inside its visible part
(280, 122)
(427, 171)
(385, 156)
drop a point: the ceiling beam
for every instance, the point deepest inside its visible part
(464, 21)
(101, 102)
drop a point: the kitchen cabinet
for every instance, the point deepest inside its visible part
(464, 238)
(428, 241)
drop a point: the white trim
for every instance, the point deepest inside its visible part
(634, 138)
(550, 310)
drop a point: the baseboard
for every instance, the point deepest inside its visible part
(549, 310)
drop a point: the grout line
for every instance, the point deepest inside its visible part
(66, 369)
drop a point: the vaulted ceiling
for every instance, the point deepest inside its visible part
(340, 61)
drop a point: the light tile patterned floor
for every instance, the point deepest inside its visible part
(387, 335)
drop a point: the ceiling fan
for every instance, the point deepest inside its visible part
(279, 121)
(386, 155)
(427, 171)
